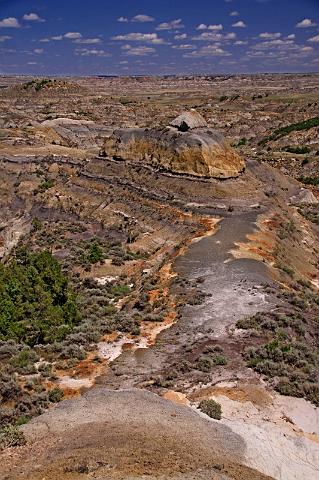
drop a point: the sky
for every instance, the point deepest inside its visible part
(158, 37)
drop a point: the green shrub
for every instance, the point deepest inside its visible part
(95, 253)
(55, 395)
(24, 361)
(11, 436)
(211, 408)
(220, 360)
(281, 132)
(22, 420)
(242, 141)
(35, 301)
(298, 150)
(45, 185)
(309, 180)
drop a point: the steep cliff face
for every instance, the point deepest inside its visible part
(197, 151)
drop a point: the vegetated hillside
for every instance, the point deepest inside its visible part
(295, 127)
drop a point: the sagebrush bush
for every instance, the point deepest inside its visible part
(211, 408)
(11, 436)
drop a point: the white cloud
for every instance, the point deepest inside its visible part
(172, 25)
(239, 24)
(202, 26)
(215, 37)
(85, 52)
(10, 22)
(138, 51)
(76, 37)
(270, 36)
(208, 51)
(292, 36)
(32, 63)
(184, 47)
(307, 22)
(88, 41)
(180, 36)
(122, 19)
(216, 28)
(38, 51)
(241, 42)
(234, 14)
(278, 44)
(307, 49)
(140, 37)
(314, 39)
(32, 17)
(143, 18)
(3, 38)
(72, 35)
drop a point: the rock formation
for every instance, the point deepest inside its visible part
(304, 197)
(189, 120)
(185, 147)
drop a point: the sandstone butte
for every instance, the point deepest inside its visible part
(186, 146)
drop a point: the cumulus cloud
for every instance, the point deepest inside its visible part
(186, 46)
(307, 22)
(314, 39)
(307, 49)
(270, 36)
(122, 19)
(72, 35)
(143, 18)
(76, 37)
(292, 36)
(3, 38)
(141, 51)
(180, 36)
(278, 44)
(203, 26)
(239, 24)
(234, 14)
(208, 51)
(85, 52)
(172, 25)
(9, 22)
(88, 41)
(215, 37)
(140, 37)
(38, 51)
(33, 17)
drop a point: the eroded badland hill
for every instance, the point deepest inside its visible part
(159, 282)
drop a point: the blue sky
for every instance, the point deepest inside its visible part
(124, 37)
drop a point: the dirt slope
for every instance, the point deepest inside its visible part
(124, 434)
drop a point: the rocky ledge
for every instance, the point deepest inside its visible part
(187, 146)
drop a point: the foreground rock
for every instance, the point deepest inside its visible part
(185, 148)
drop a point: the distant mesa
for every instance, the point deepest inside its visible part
(186, 146)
